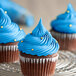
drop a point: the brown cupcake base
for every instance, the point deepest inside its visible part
(66, 41)
(38, 66)
(9, 52)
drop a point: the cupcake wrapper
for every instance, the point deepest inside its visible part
(8, 48)
(38, 67)
(66, 41)
(62, 35)
(33, 60)
(9, 53)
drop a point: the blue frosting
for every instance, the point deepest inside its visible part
(40, 42)
(65, 23)
(17, 14)
(9, 31)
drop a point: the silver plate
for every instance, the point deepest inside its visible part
(66, 66)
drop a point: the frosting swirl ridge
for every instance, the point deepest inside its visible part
(9, 31)
(40, 42)
(65, 23)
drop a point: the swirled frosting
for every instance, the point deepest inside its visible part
(65, 23)
(9, 31)
(40, 42)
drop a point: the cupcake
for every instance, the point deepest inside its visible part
(38, 52)
(10, 35)
(17, 13)
(64, 29)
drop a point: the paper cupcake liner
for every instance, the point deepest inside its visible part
(63, 35)
(9, 53)
(66, 41)
(38, 67)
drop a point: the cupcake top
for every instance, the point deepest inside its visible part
(40, 42)
(9, 31)
(65, 23)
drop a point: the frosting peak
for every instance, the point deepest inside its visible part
(70, 8)
(39, 30)
(9, 31)
(40, 42)
(63, 21)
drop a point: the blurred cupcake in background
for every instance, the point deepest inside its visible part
(38, 52)
(64, 29)
(10, 35)
(17, 14)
